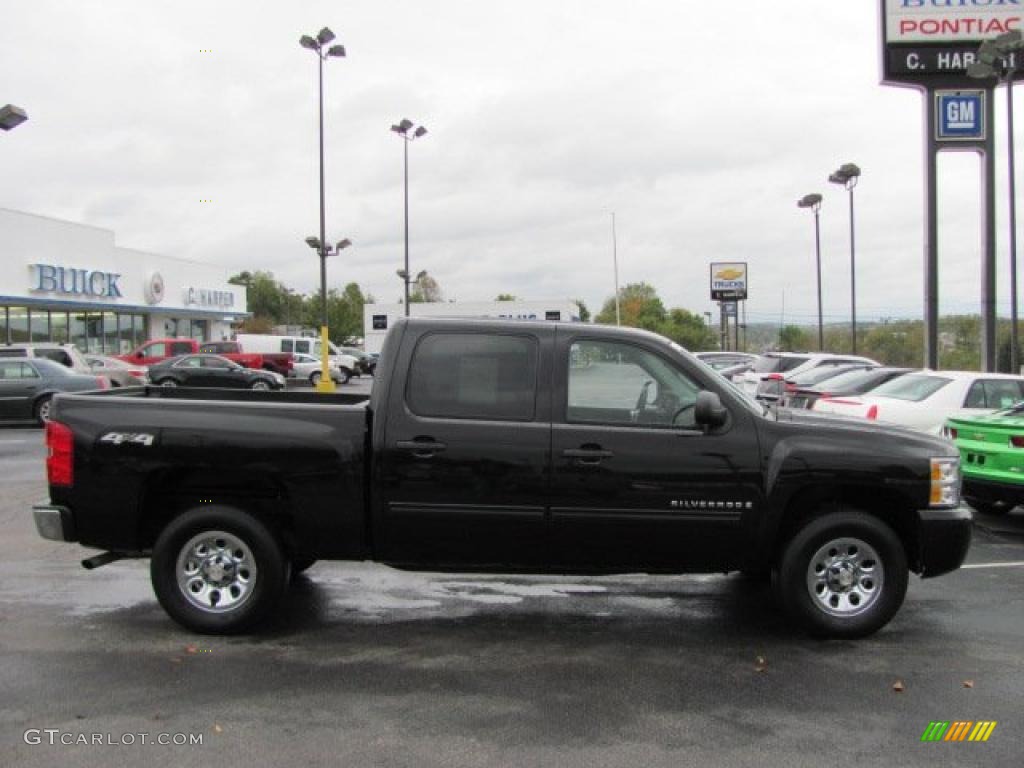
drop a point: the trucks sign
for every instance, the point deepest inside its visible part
(922, 39)
(729, 281)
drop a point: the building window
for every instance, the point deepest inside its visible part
(199, 330)
(59, 327)
(138, 330)
(94, 331)
(4, 338)
(77, 331)
(17, 324)
(39, 325)
(109, 333)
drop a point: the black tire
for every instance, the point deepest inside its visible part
(166, 383)
(991, 507)
(346, 374)
(314, 378)
(41, 412)
(300, 564)
(260, 586)
(824, 604)
(261, 384)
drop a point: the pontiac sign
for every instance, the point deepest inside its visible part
(922, 39)
(729, 281)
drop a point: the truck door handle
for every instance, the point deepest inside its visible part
(421, 448)
(588, 456)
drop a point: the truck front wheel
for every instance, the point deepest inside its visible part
(218, 570)
(842, 575)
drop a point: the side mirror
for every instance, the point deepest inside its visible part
(708, 411)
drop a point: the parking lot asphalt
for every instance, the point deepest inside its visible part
(367, 665)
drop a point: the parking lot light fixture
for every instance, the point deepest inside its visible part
(996, 58)
(847, 177)
(813, 201)
(11, 117)
(402, 130)
(324, 36)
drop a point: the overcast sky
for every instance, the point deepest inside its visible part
(698, 124)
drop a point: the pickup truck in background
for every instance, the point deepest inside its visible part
(517, 447)
(280, 362)
(160, 349)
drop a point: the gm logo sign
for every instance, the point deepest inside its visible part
(959, 115)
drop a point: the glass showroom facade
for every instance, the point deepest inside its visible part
(114, 333)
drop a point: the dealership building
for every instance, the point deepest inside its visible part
(69, 283)
(377, 318)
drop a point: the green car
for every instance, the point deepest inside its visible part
(992, 458)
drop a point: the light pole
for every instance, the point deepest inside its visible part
(847, 176)
(326, 383)
(615, 265)
(813, 201)
(324, 36)
(11, 117)
(997, 58)
(402, 129)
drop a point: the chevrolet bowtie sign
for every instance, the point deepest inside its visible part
(729, 281)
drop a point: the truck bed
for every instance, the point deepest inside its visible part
(138, 461)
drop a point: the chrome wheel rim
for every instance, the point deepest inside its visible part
(44, 410)
(216, 572)
(845, 577)
(168, 383)
(260, 385)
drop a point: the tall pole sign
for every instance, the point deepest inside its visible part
(928, 45)
(729, 286)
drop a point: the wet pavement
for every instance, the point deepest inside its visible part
(367, 665)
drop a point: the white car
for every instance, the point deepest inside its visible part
(923, 400)
(309, 367)
(787, 365)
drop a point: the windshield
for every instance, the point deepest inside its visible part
(777, 364)
(914, 387)
(828, 372)
(849, 379)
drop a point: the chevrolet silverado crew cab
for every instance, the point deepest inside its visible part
(503, 446)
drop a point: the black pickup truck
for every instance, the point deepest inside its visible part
(503, 446)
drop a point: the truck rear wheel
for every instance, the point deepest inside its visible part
(843, 575)
(218, 570)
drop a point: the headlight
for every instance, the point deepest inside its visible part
(945, 482)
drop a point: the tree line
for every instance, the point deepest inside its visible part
(901, 342)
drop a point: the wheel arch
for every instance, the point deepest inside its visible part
(172, 493)
(888, 505)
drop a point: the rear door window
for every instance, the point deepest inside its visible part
(1001, 393)
(474, 376)
(57, 355)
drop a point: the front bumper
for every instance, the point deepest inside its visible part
(944, 538)
(54, 523)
